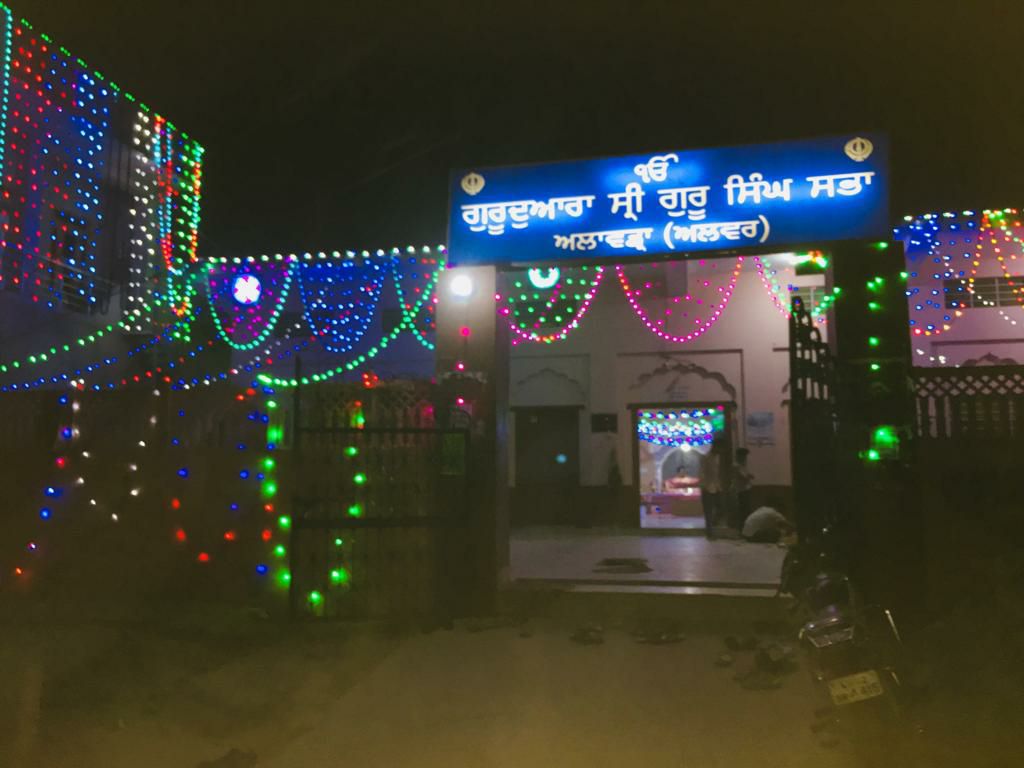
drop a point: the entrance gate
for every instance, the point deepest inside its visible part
(812, 408)
(377, 511)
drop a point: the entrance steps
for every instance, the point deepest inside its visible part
(698, 607)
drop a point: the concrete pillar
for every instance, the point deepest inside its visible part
(472, 370)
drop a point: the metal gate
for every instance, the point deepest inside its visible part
(380, 504)
(812, 422)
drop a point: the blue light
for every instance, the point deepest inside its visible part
(45, 513)
(183, 472)
(261, 569)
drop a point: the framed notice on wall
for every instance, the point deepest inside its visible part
(760, 428)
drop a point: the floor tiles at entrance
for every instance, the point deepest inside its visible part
(574, 554)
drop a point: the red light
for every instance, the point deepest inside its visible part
(229, 536)
(18, 571)
(203, 557)
(464, 331)
(61, 461)
(175, 504)
(268, 507)
(267, 534)
(180, 535)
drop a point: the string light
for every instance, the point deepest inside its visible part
(425, 266)
(339, 300)
(60, 120)
(656, 327)
(359, 360)
(565, 306)
(249, 321)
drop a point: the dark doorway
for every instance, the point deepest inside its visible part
(547, 476)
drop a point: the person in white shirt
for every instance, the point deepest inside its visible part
(767, 525)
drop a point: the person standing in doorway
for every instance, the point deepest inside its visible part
(711, 486)
(743, 482)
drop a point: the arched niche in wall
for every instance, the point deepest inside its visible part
(681, 380)
(548, 382)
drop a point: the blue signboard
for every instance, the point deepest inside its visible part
(623, 208)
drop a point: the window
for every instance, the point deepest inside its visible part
(984, 292)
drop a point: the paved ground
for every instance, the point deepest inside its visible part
(573, 553)
(113, 697)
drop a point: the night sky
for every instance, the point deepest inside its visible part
(332, 125)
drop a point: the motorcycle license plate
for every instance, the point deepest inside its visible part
(858, 687)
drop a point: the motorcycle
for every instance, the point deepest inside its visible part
(854, 648)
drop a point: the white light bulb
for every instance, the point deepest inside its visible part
(461, 286)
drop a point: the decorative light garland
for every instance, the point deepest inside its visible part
(680, 427)
(78, 373)
(775, 290)
(59, 119)
(403, 302)
(998, 219)
(558, 296)
(272, 293)
(632, 296)
(359, 360)
(338, 310)
(926, 230)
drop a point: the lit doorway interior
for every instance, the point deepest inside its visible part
(669, 443)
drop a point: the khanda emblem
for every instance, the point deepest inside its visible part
(472, 183)
(858, 149)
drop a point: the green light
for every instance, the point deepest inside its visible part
(284, 522)
(876, 367)
(874, 341)
(269, 488)
(355, 510)
(874, 306)
(339, 576)
(280, 551)
(880, 246)
(338, 542)
(885, 443)
(359, 478)
(903, 275)
(351, 451)
(275, 434)
(284, 577)
(271, 404)
(886, 436)
(315, 598)
(269, 464)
